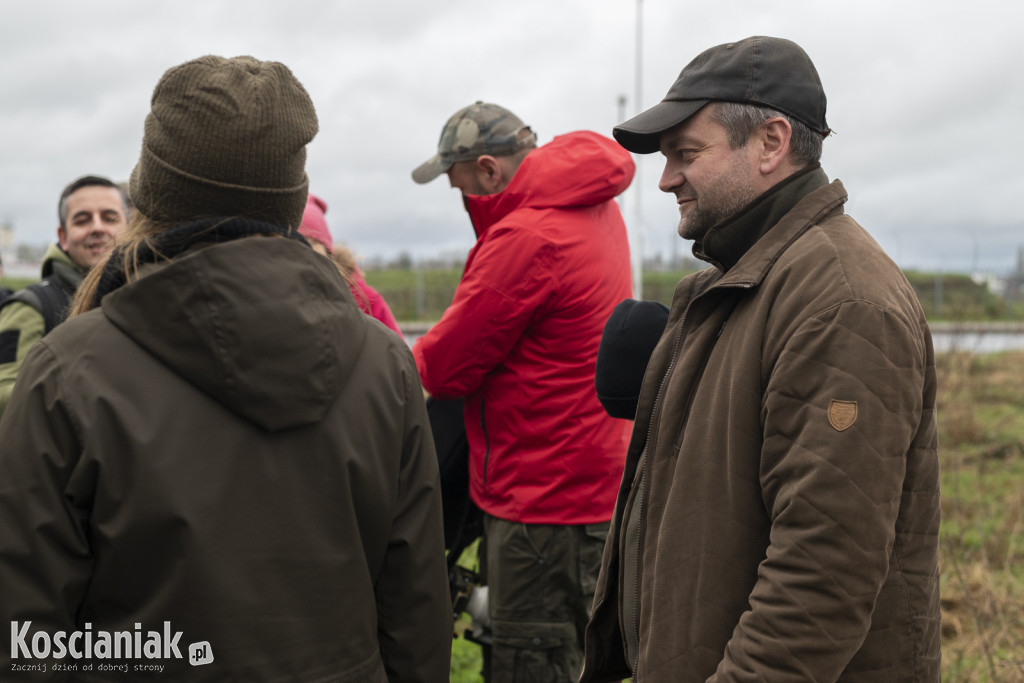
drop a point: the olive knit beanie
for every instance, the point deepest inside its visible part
(225, 137)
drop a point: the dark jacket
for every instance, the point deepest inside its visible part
(520, 338)
(229, 445)
(790, 514)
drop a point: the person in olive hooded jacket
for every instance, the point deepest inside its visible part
(219, 454)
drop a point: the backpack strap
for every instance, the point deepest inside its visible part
(47, 298)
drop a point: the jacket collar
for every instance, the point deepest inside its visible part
(727, 242)
(69, 273)
(485, 210)
(577, 169)
(181, 238)
(57, 262)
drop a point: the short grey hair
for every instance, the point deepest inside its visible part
(740, 120)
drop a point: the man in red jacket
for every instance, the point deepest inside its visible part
(519, 343)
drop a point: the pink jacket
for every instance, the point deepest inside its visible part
(371, 302)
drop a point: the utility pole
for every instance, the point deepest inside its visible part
(620, 117)
(638, 221)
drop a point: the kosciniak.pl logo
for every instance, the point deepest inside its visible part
(89, 645)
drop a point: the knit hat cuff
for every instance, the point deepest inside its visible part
(195, 197)
(619, 406)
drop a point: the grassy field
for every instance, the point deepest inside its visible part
(417, 295)
(422, 295)
(981, 418)
(981, 436)
(981, 421)
(17, 282)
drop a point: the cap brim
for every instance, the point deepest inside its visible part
(430, 169)
(642, 133)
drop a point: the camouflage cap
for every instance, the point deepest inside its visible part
(480, 128)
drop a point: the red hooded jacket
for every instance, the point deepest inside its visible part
(520, 338)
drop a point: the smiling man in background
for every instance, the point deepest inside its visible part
(92, 211)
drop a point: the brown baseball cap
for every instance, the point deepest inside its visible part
(760, 70)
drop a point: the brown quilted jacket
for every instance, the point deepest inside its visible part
(790, 514)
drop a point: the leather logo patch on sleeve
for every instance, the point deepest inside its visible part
(842, 414)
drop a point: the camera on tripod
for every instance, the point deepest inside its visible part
(463, 520)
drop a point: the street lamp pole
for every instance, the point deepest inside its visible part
(638, 223)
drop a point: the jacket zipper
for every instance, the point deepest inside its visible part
(487, 439)
(642, 531)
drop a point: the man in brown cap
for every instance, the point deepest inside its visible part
(219, 455)
(778, 517)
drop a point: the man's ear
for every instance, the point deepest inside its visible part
(489, 172)
(775, 136)
(62, 237)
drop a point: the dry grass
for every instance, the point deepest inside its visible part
(981, 417)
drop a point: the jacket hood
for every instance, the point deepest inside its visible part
(575, 169)
(265, 326)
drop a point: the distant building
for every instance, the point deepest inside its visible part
(20, 260)
(1015, 280)
(6, 245)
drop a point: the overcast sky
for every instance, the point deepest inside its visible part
(926, 98)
